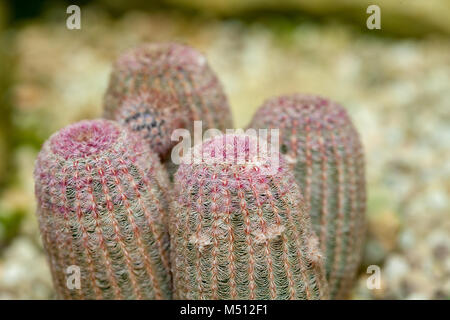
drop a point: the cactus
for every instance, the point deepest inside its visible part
(101, 208)
(157, 88)
(323, 148)
(237, 232)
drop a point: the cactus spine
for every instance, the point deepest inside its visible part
(157, 88)
(101, 207)
(239, 233)
(323, 147)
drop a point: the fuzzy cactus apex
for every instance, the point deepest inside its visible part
(323, 149)
(238, 233)
(101, 205)
(159, 87)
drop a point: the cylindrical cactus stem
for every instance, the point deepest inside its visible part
(325, 153)
(101, 208)
(239, 230)
(159, 87)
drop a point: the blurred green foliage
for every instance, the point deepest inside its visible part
(9, 225)
(400, 17)
(6, 107)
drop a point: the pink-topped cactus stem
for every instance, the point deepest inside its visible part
(324, 151)
(240, 230)
(101, 208)
(158, 87)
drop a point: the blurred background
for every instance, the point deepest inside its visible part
(394, 82)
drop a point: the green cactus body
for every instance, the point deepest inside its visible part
(101, 209)
(157, 88)
(238, 232)
(323, 149)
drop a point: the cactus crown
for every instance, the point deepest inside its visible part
(84, 139)
(240, 234)
(159, 57)
(101, 207)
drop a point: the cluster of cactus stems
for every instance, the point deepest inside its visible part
(102, 207)
(157, 88)
(238, 230)
(237, 233)
(325, 154)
